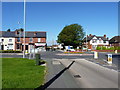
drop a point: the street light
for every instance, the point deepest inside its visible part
(86, 41)
(19, 32)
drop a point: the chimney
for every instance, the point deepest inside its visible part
(8, 30)
(35, 33)
(105, 35)
(90, 35)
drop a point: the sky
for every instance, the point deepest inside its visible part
(97, 18)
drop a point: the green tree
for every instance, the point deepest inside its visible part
(71, 35)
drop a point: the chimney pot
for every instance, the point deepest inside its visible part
(105, 35)
(90, 35)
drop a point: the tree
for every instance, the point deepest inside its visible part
(71, 35)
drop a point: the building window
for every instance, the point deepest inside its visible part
(94, 41)
(18, 46)
(10, 40)
(18, 39)
(100, 41)
(39, 39)
(2, 40)
(10, 46)
(104, 41)
(31, 39)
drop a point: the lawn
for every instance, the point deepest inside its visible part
(21, 73)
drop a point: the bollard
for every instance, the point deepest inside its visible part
(115, 51)
(37, 58)
(109, 58)
(95, 55)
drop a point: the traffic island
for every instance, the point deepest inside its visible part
(22, 73)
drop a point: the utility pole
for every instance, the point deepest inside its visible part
(24, 27)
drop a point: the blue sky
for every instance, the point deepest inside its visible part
(97, 18)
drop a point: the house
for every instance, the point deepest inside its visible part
(33, 39)
(92, 41)
(115, 41)
(7, 40)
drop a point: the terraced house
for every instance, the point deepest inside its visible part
(14, 40)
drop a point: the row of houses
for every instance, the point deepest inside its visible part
(14, 40)
(92, 41)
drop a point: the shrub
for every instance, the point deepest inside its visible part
(98, 48)
(117, 48)
(10, 51)
(104, 48)
(111, 48)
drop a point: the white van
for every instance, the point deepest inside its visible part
(69, 48)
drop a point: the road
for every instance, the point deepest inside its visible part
(83, 73)
(93, 75)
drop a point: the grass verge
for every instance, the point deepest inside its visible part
(21, 73)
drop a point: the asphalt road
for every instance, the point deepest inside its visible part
(82, 73)
(101, 56)
(51, 55)
(65, 80)
(93, 75)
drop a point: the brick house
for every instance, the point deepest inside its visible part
(115, 41)
(33, 39)
(92, 41)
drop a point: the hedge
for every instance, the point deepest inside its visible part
(10, 51)
(108, 48)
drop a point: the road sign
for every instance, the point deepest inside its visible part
(109, 58)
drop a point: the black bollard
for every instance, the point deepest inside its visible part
(37, 58)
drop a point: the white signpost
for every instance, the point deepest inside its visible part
(109, 58)
(115, 51)
(95, 55)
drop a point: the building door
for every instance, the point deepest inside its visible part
(26, 47)
(2, 47)
(22, 47)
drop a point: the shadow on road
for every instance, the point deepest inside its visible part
(47, 84)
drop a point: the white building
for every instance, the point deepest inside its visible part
(7, 41)
(92, 41)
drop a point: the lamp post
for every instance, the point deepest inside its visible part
(24, 27)
(19, 33)
(86, 41)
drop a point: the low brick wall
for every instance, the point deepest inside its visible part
(99, 50)
(118, 50)
(104, 50)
